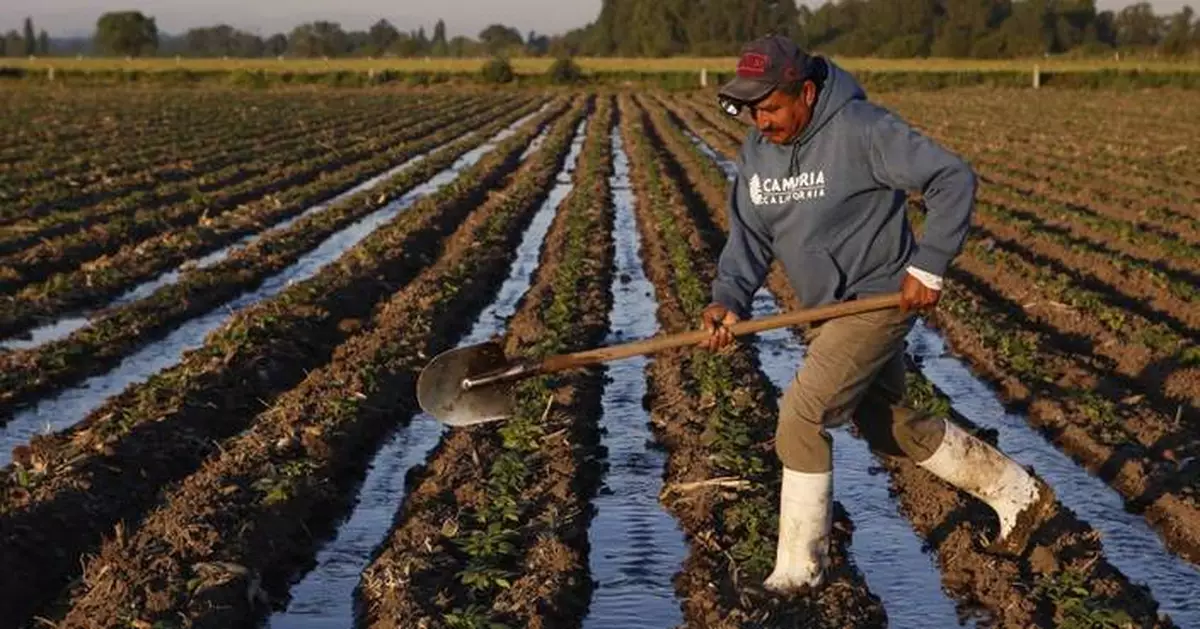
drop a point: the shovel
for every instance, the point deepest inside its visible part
(473, 384)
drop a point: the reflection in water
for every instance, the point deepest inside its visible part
(636, 545)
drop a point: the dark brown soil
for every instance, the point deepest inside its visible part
(78, 484)
(218, 517)
(413, 580)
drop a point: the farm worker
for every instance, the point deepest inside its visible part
(820, 185)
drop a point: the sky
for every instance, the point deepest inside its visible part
(463, 17)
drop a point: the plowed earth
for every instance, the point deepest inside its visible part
(196, 498)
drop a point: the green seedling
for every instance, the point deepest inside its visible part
(1076, 607)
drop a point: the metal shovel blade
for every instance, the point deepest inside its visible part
(441, 394)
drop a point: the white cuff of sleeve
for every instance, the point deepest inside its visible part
(931, 281)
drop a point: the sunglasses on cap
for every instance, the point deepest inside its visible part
(734, 107)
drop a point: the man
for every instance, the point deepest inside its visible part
(821, 186)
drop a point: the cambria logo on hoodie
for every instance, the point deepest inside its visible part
(802, 187)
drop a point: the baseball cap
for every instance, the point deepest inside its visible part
(764, 64)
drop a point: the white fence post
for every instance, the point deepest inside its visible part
(1037, 76)
(703, 77)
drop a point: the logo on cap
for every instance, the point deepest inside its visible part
(752, 64)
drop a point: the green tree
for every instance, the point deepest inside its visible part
(463, 47)
(497, 38)
(966, 22)
(1178, 37)
(1136, 25)
(537, 45)
(12, 46)
(275, 45)
(1073, 24)
(30, 38)
(421, 41)
(381, 37)
(43, 44)
(318, 39)
(128, 33)
(221, 41)
(438, 46)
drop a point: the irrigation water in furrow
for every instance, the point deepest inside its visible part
(63, 327)
(636, 546)
(71, 405)
(1129, 543)
(324, 598)
(885, 547)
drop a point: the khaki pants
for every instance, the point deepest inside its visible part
(854, 370)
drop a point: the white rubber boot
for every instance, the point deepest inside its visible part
(805, 517)
(972, 465)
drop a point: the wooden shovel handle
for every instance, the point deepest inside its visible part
(684, 339)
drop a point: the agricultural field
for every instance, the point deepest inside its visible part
(539, 65)
(216, 304)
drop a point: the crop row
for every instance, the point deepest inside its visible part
(1140, 284)
(118, 272)
(120, 330)
(202, 168)
(1145, 203)
(133, 224)
(1121, 239)
(256, 502)
(722, 427)
(58, 209)
(1054, 157)
(41, 119)
(67, 489)
(1142, 350)
(494, 530)
(131, 130)
(1119, 121)
(1068, 552)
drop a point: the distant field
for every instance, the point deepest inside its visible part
(216, 305)
(595, 64)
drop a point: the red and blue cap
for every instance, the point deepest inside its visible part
(764, 64)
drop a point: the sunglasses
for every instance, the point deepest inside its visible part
(730, 106)
(734, 107)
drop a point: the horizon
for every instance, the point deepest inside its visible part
(70, 18)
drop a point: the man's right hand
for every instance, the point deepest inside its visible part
(715, 319)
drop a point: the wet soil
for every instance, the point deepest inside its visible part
(217, 519)
(414, 577)
(107, 468)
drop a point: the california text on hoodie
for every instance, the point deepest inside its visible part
(831, 205)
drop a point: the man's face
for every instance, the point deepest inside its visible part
(781, 118)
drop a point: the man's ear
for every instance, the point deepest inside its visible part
(810, 93)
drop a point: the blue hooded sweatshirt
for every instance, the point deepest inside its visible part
(830, 206)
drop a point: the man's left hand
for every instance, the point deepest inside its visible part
(916, 296)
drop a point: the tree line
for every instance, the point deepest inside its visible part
(887, 28)
(25, 42)
(657, 28)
